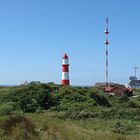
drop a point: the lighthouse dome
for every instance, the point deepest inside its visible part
(65, 56)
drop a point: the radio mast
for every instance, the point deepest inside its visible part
(106, 43)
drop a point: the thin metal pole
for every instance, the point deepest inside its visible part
(135, 68)
(107, 66)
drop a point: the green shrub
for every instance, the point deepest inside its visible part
(123, 98)
(7, 109)
(132, 104)
(100, 99)
(120, 128)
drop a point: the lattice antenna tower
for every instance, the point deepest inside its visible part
(106, 43)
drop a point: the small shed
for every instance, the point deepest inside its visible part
(119, 90)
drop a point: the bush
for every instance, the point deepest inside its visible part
(7, 109)
(118, 127)
(123, 98)
(122, 128)
(132, 104)
(100, 99)
(29, 98)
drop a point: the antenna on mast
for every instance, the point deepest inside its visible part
(135, 68)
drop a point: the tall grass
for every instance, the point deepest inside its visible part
(59, 129)
(50, 126)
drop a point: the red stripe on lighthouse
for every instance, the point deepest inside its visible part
(65, 82)
(65, 68)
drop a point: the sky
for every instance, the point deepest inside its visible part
(34, 35)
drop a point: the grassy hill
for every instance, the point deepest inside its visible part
(54, 112)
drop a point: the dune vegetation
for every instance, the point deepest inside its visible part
(55, 112)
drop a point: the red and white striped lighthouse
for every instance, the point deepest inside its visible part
(65, 70)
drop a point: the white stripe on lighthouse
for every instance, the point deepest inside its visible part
(65, 62)
(65, 75)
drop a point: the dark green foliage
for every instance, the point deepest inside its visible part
(123, 98)
(33, 98)
(83, 101)
(132, 104)
(100, 99)
(29, 98)
(70, 98)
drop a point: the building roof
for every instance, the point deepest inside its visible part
(134, 83)
(117, 89)
(114, 87)
(102, 84)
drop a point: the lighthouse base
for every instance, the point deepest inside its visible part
(65, 82)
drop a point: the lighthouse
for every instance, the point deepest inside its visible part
(65, 70)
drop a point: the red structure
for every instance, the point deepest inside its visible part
(65, 70)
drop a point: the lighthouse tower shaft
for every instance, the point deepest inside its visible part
(65, 70)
